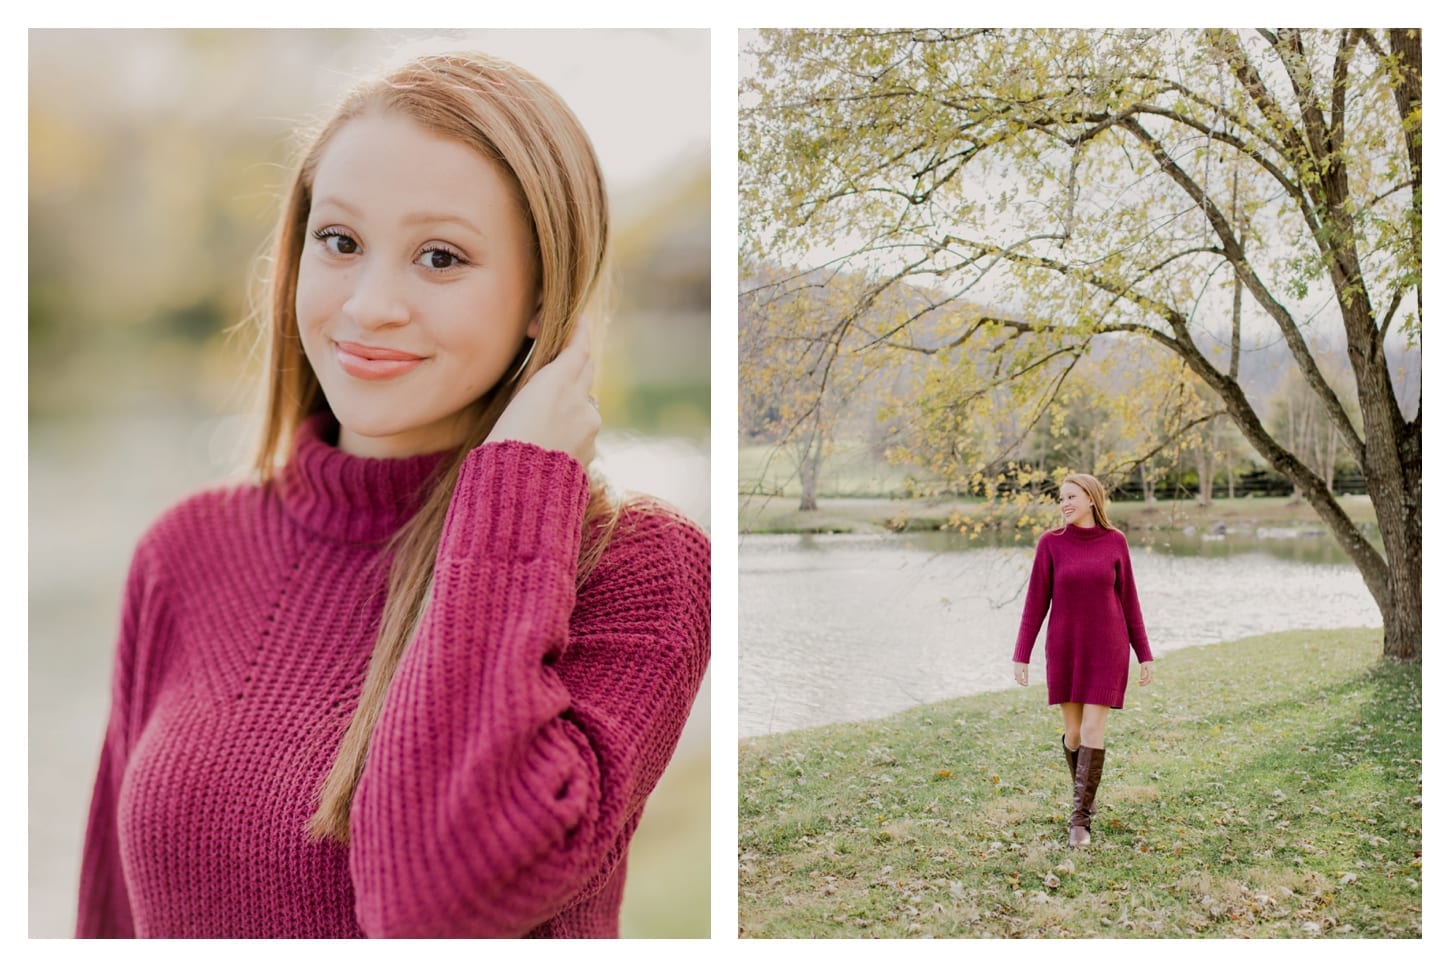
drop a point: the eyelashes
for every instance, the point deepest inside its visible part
(435, 253)
(434, 256)
(345, 244)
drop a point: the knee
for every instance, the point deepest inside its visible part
(1094, 726)
(1072, 736)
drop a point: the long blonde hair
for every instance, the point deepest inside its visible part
(514, 120)
(1096, 493)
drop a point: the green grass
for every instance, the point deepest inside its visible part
(1268, 787)
(849, 470)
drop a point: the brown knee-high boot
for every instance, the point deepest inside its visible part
(1084, 794)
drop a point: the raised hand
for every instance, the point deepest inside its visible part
(554, 409)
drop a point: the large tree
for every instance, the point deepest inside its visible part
(1206, 190)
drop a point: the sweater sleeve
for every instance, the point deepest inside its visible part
(524, 728)
(1039, 597)
(105, 907)
(1132, 614)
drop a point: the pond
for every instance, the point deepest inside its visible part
(839, 628)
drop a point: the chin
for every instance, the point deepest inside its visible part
(386, 425)
(374, 422)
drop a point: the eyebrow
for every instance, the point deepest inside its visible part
(415, 218)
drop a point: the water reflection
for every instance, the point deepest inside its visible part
(839, 628)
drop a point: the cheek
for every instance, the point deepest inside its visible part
(316, 296)
(476, 321)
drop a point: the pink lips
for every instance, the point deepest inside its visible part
(374, 362)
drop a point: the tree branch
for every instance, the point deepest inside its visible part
(1129, 466)
(1292, 144)
(1234, 252)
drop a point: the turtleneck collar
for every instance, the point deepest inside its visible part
(1086, 533)
(358, 500)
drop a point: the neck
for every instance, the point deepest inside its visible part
(447, 433)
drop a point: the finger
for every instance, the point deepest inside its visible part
(579, 338)
(575, 353)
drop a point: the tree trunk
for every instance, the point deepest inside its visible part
(1149, 497)
(1402, 613)
(1392, 477)
(1205, 475)
(810, 468)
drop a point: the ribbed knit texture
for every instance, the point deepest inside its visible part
(520, 737)
(1085, 576)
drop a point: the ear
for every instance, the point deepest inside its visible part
(532, 330)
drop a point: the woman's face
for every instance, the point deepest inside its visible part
(1075, 505)
(415, 289)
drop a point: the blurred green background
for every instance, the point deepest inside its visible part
(157, 159)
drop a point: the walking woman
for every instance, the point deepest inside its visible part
(419, 678)
(1082, 572)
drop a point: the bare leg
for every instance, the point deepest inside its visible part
(1094, 725)
(1072, 725)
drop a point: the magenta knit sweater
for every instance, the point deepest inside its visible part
(1085, 576)
(524, 729)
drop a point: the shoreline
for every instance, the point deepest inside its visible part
(995, 694)
(886, 515)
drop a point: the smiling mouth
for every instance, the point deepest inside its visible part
(374, 362)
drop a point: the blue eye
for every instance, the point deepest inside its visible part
(336, 241)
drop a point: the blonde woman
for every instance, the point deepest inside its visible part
(419, 678)
(1082, 572)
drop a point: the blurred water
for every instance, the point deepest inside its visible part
(674, 469)
(843, 628)
(95, 486)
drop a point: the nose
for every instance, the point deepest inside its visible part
(378, 298)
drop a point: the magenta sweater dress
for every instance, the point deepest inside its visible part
(525, 727)
(1084, 575)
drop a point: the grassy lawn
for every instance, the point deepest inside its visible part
(1268, 787)
(849, 470)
